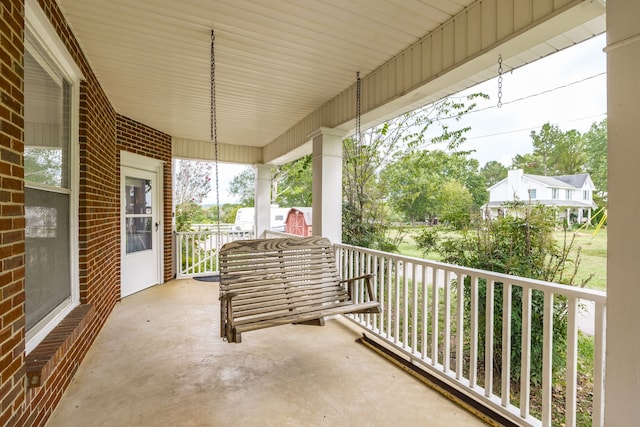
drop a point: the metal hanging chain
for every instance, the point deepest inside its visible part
(358, 85)
(214, 133)
(499, 81)
(358, 142)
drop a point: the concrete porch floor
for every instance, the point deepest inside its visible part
(159, 361)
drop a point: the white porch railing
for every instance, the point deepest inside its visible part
(197, 251)
(434, 315)
(431, 315)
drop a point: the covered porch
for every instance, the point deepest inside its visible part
(159, 360)
(139, 76)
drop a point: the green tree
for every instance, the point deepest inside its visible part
(554, 153)
(227, 213)
(545, 147)
(570, 155)
(529, 163)
(595, 144)
(455, 204)
(291, 183)
(188, 213)
(415, 194)
(243, 185)
(365, 216)
(492, 173)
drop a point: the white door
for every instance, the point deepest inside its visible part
(141, 227)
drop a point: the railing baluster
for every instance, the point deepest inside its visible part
(547, 358)
(473, 356)
(600, 333)
(434, 315)
(572, 365)
(525, 355)
(390, 285)
(380, 280)
(405, 304)
(368, 269)
(415, 321)
(488, 338)
(446, 353)
(425, 316)
(178, 252)
(189, 269)
(460, 327)
(507, 298)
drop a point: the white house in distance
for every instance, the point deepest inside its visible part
(571, 194)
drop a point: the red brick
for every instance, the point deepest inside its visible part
(102, 135)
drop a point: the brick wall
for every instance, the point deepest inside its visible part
(102, 134)
(140, 139)
(12, 389)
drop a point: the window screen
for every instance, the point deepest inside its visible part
(47, 113)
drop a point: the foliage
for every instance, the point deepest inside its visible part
(455, 204)
(291, 183)
(554, 153)
(521, 245)
(427, 239)
(188, 213)
(367, 234)
(414, 182)
(193, 181)
(228, 213)
(365, 216)
(492, 173)
(243, 185)
(595, 144)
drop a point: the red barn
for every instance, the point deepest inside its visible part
(299, 222)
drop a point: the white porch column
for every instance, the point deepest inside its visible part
(262, 219)
(623, 251)
(327, 183)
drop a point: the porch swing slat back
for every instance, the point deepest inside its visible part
(271, 282)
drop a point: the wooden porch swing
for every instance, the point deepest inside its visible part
(271, 282)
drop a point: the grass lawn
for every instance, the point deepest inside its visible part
(593, 253)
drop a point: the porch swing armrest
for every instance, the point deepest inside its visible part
(352, 279)
(368, 280)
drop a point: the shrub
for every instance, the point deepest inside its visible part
(521, 245)
(427, 239)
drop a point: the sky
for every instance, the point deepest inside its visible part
(567, 89)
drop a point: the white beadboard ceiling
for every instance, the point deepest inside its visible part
(276, 60)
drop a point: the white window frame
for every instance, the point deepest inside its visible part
(555, 193)
(40, 30)
(569, 194)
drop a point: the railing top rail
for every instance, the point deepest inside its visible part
(540, 285)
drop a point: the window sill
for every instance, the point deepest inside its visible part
(42, 361)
